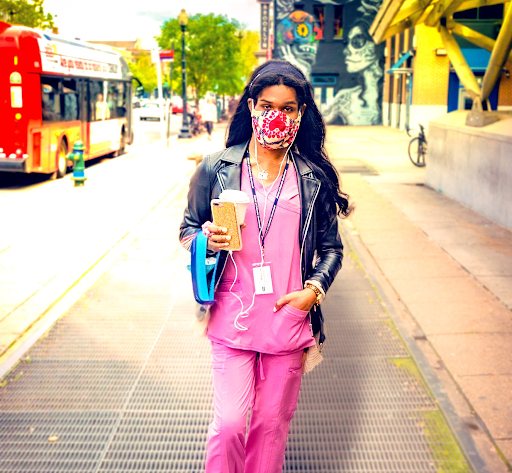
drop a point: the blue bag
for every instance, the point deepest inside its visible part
(203, 274)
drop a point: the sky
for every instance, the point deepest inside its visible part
(109, 20)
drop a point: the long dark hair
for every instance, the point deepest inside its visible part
(311, 135)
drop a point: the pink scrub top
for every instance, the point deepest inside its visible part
(286, 330)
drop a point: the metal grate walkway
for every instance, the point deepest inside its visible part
(120, 384)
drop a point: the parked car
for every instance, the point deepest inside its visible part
(150, 111)
(177, 104)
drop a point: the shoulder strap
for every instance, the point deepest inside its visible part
(203, 292)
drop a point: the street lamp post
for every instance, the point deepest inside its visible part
(169, 108)
(183, 20)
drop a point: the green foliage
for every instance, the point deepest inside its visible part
(216, 60)
(27, 13)
(144, 70)
(249, 45)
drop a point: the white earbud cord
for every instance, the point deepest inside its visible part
(245, 313)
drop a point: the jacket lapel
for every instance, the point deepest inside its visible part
(228, 175)
(230, 172)
(308, 188)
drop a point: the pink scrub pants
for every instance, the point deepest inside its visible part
(271, 387)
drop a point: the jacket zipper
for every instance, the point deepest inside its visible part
(224, 265)
(308, 221)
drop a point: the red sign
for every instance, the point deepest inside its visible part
(166, 55)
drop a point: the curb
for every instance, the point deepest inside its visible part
(462, 435)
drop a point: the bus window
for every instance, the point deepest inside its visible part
(70, 99)
(59, 100)
(50, 100)
(98, 107)
(116, 99)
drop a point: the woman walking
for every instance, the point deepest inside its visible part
(209, 115)
(268, 294)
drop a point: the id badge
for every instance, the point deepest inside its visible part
(262, 278)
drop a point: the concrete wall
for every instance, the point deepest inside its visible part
(423, 114)
(473, 165)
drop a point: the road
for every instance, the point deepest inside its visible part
(52, 233)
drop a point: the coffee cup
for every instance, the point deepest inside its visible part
(239, 198)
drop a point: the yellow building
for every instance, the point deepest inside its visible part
(420, 82)
(130, 50)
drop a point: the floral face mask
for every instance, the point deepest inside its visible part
(273, 128)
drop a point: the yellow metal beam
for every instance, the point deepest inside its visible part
(459, 63)
(499, 55)
(384, 18)
(439, 11)
(475, 37)
(414, 8)
(397, 28)
(378, 17)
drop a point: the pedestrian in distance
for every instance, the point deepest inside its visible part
(209, 115)
(268, 295)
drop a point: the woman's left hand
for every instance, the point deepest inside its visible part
(302, 300)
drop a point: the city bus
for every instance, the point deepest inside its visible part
(54, 92)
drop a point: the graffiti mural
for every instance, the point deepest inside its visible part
(353, 63)
(297, 41)
(359, 105)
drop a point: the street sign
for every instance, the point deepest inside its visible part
(264, 25)
(167, 55)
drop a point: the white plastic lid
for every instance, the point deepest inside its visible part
(231, 195)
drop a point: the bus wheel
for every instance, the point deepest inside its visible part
(62, 160)
(122, 145)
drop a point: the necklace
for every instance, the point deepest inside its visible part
(262, 173)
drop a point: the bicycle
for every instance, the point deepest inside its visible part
(418, 148)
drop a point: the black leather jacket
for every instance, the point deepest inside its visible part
(318, 220)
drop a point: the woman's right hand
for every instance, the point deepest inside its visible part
(219, 240)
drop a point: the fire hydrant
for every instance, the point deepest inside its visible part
(77, 156)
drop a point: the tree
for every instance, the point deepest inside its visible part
(248, 45)
(214, 58)
(27, 13)
(144, 70)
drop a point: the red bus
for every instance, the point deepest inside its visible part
(54, 92)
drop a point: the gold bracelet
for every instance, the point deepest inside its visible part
(316, 291)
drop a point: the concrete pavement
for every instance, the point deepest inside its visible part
(119, 383)
(443, 270)
(449, 269)
(54, 235)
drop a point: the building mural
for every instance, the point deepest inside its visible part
(297, 40)
(328, 40)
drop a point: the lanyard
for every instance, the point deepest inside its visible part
(256, 206)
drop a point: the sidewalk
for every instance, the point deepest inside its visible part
(449, 267)
(65, 232)
(119, 383)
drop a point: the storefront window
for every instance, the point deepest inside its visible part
(338, 21)
(490, 12)
(319, 15)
